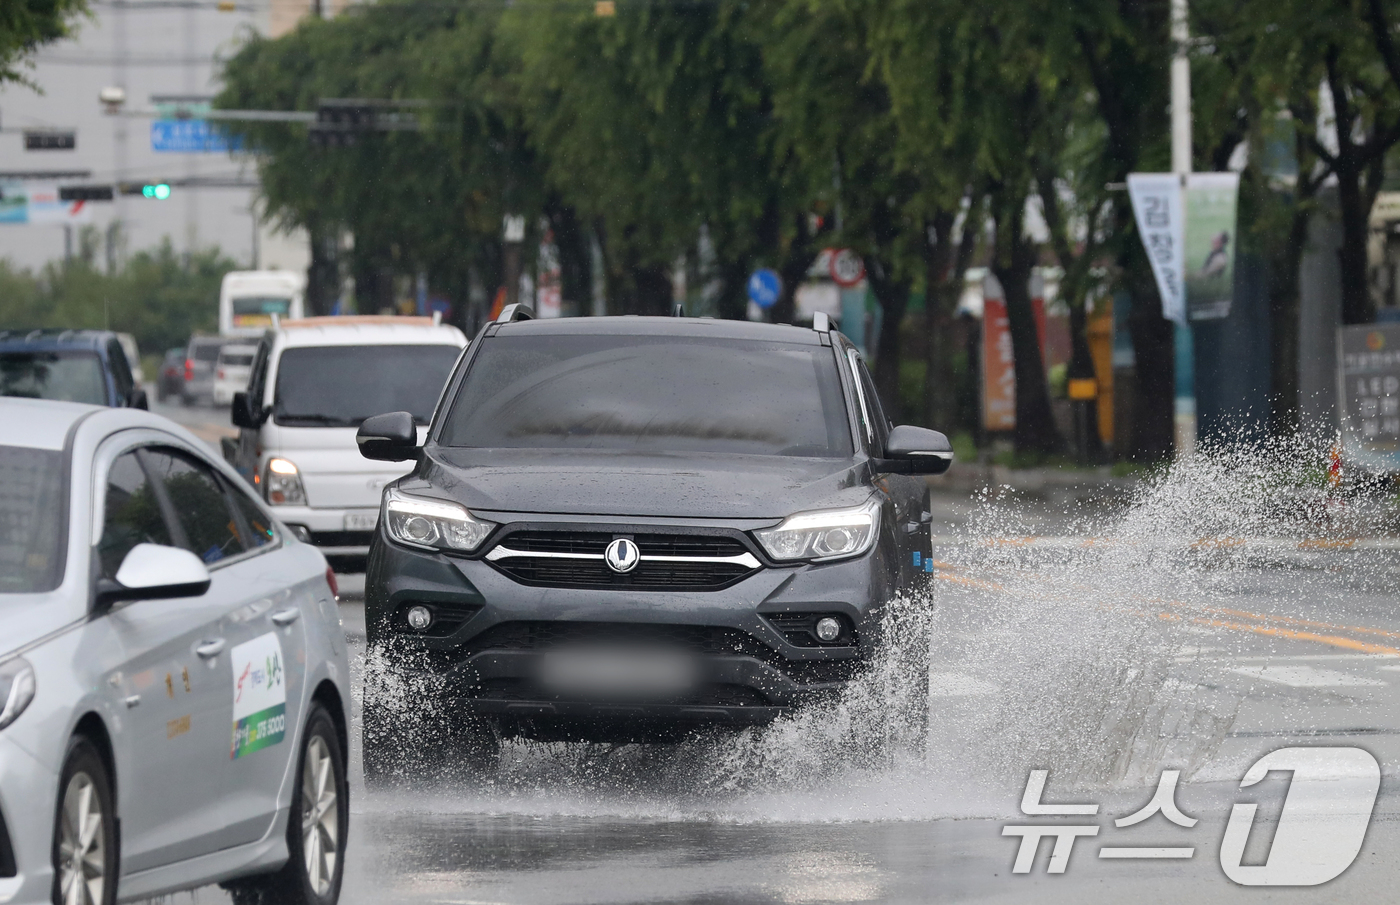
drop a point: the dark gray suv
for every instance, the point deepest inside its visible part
(629, 528)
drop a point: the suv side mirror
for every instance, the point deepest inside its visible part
(391, 437)
(241, 412)
(155, 572)
(917, 450)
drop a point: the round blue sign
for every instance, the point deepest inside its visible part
(764, 287)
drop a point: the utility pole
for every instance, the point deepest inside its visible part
(1185, 394)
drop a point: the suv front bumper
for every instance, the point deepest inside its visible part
(491, 634)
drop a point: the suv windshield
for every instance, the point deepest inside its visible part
(651, 393)
(31, 520)
(340, 386)
(68, 376)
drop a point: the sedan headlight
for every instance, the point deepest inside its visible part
(16, 689)
(282, 486)
(433, 524)
(829, 534)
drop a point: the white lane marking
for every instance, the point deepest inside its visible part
(1305, 676)
(953, 685)
(1274, 658)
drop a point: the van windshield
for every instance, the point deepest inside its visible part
(62, 375)
(651, 393)
(31, 520)
(340, 386)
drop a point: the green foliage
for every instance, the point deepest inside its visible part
(26, 25)
(158, 296)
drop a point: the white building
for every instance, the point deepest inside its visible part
(151, 48)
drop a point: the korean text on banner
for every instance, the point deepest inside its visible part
(1368, 364)
(1211, 204)
(1156, 199)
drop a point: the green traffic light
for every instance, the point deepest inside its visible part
(160, 191)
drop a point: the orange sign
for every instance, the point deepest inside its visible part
(998, 364)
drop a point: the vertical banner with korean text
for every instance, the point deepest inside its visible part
(998, 363)
(1156, 199)
(1368, 364)
(1212, 200)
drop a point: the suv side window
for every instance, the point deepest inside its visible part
(121, 370)
(877, 411)
(132, 514)
(200, 503)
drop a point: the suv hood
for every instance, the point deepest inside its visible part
(588, 482)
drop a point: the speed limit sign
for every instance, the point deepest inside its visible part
(847, 268)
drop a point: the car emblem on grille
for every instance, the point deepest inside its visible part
(622, 555)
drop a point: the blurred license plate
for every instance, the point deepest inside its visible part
(618, 673)
(361, 521)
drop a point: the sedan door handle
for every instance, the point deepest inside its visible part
(284, 618)
(210, 649)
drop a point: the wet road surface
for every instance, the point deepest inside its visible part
(1042, 658)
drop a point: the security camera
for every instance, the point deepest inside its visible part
(112, 97)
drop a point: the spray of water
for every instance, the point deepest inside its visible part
(1015, 655)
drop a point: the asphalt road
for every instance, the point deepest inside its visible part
(1178, 630)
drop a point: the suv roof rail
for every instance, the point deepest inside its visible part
(516, 312)
(821, 323)
(679, 310)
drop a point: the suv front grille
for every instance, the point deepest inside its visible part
(711, 695)
(575, 559)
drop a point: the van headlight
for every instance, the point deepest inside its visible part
(282, 484)
(433, 524)
(828, 534)
(16, 689)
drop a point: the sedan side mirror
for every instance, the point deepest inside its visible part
(392, 437)
(155, 572)
(917, 450)
(242, 414)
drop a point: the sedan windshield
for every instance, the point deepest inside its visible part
(62, 375)
(651, 393)
(31, 520)
(340, 386)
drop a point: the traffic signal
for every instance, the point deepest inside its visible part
(157, 190)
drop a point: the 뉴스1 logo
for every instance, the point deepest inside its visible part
(1320, 830)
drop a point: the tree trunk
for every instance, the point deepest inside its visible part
(1154, 346)
(1357, 307)
(1283, 310)
(1016, 257)
(938, 255)
(893, 297)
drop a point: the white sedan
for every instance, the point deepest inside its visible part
(171, 664)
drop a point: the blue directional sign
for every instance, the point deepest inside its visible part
(765, 286)
(190, 136)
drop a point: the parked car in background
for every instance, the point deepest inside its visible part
(171, 379)
(133, 356)
(200, 359)
(231, 370)
(68, 365)
(174, 690)
(314, 381)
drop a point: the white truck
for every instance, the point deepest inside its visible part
(248, 300)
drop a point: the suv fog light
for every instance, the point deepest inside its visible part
(419, 618)
(828, 628)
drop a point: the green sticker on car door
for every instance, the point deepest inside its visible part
(259, 695)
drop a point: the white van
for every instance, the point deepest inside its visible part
(313, 382)
(250, 299)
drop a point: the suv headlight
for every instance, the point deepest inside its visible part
(828, 534)
(16, 689)
(282, 485)
(433, 524)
